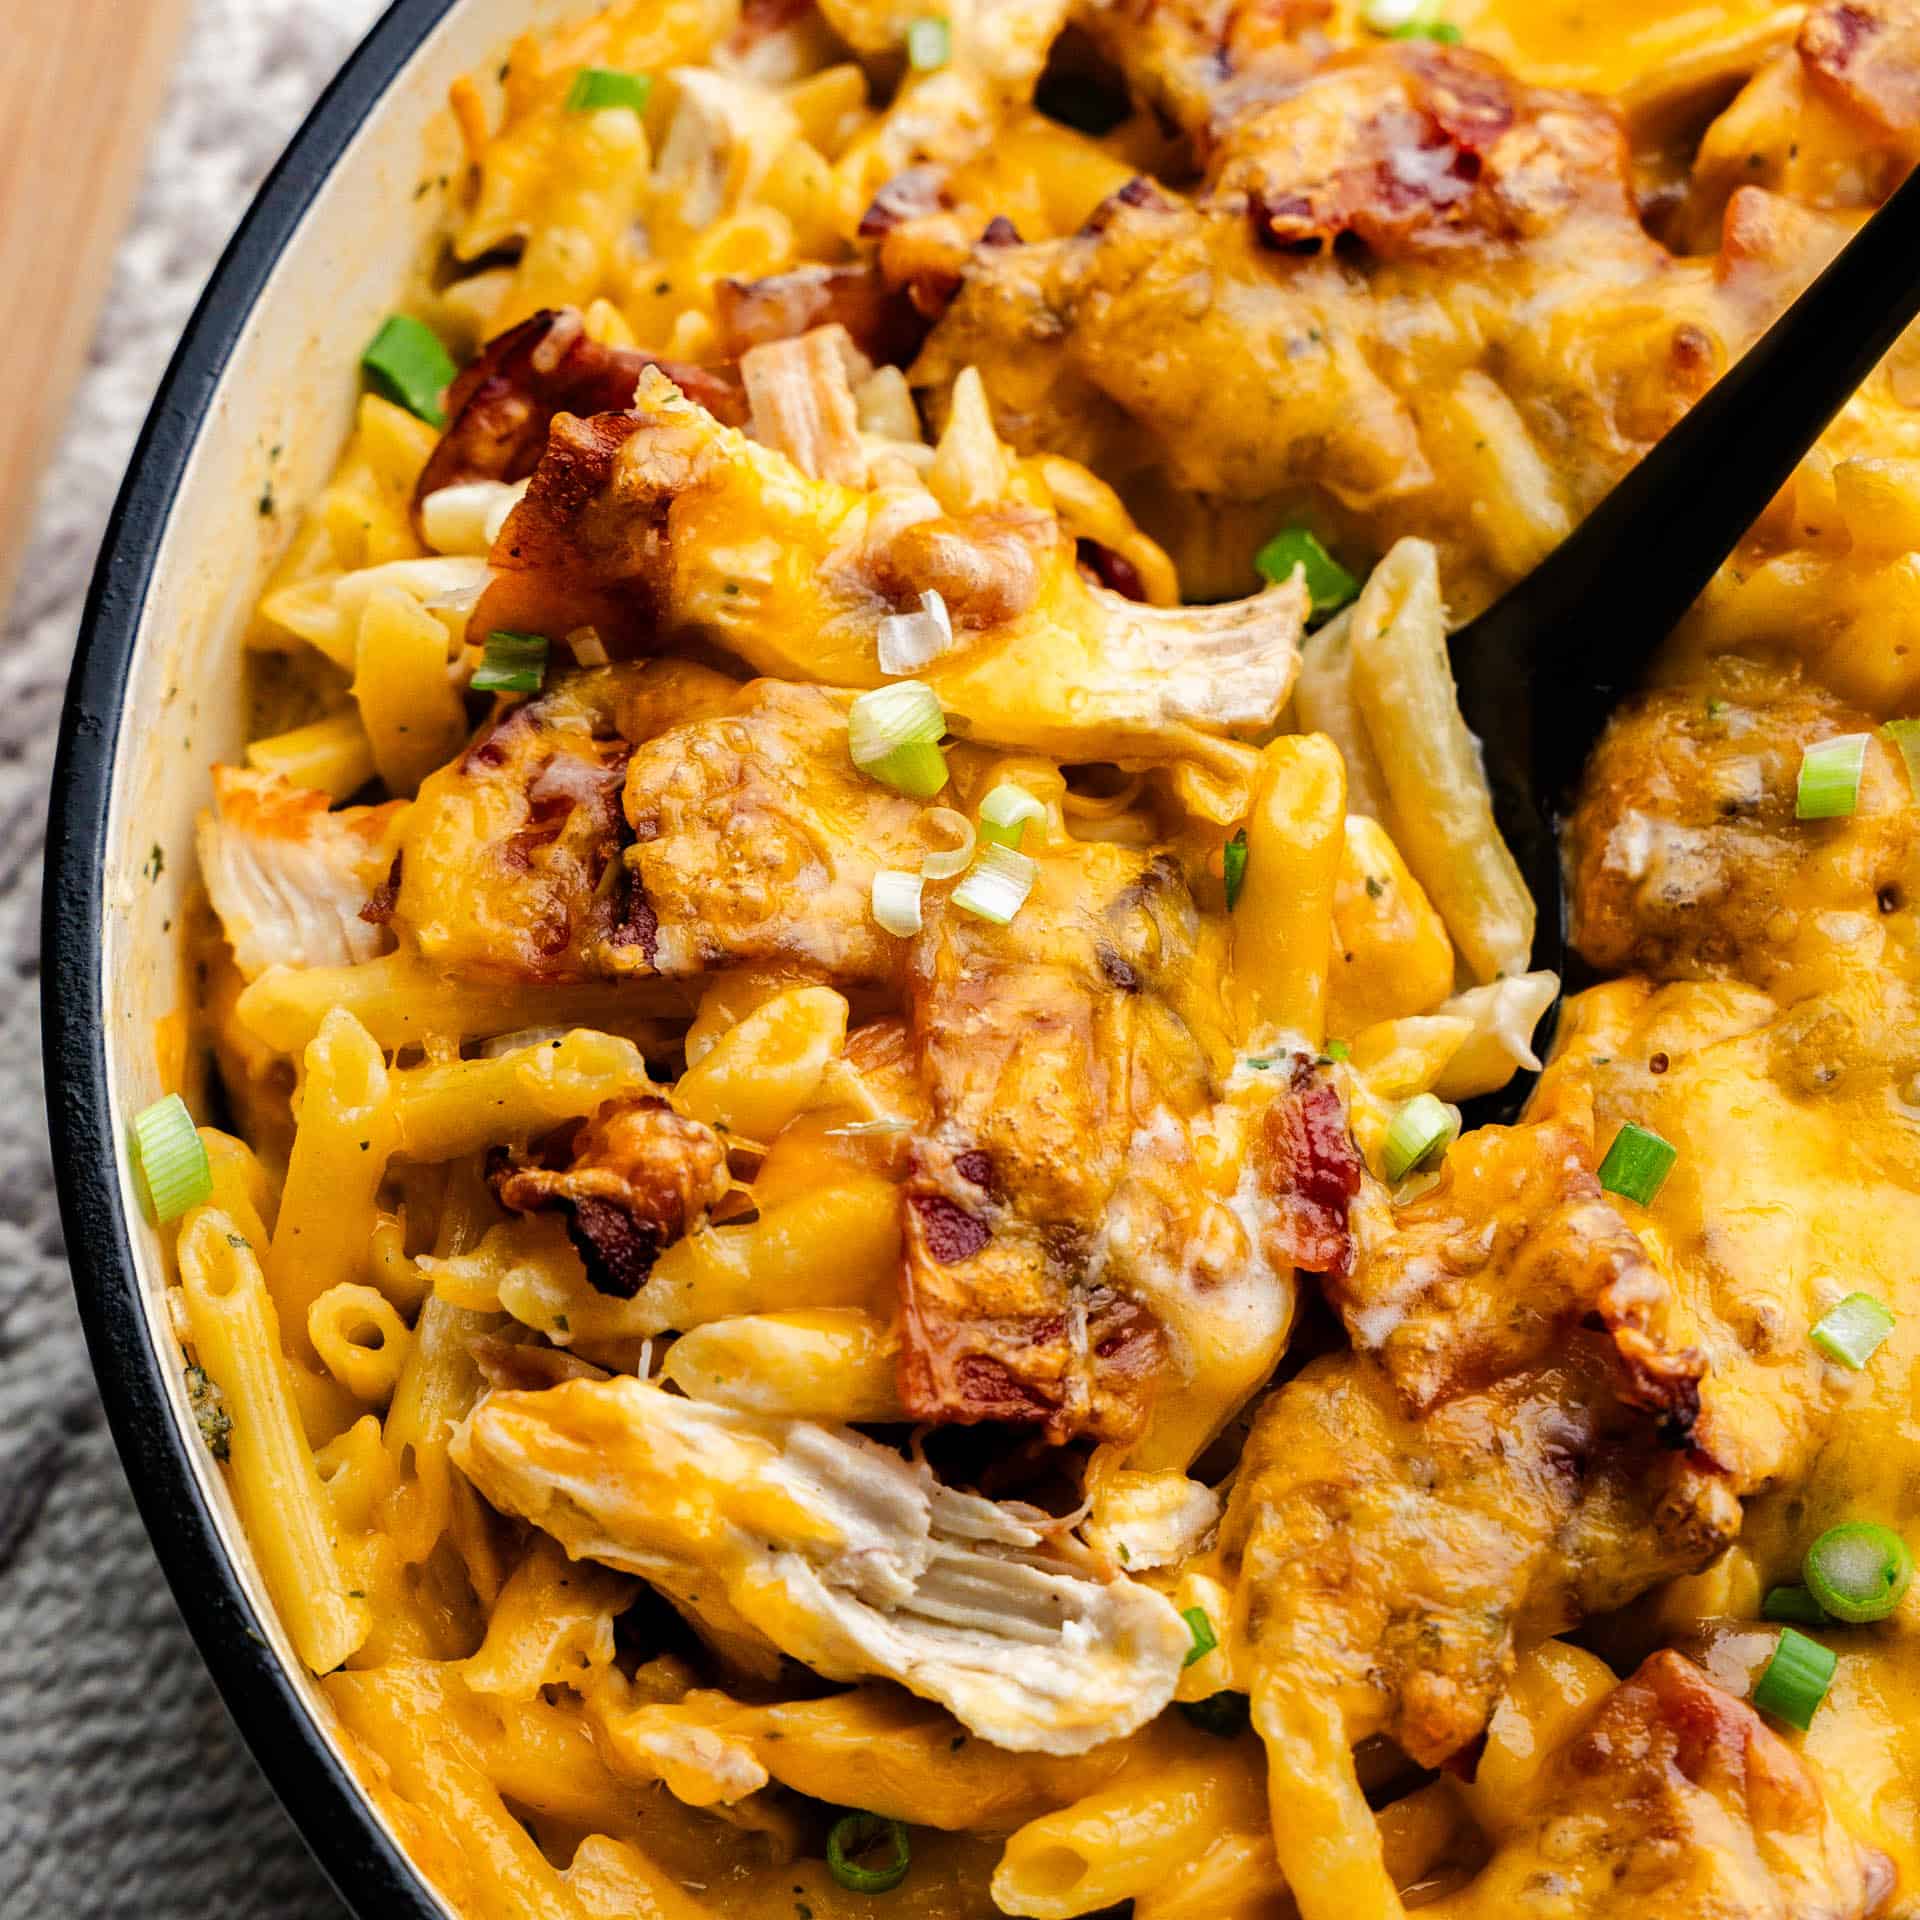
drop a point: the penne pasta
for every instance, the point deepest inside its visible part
(236, 1336)
(1442, 810)
(330, 1202)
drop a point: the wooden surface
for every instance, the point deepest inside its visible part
(80, 83)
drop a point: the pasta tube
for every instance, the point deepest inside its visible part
(236, 1337)
(1442, 811)
(340, 1151)
(1283, 924)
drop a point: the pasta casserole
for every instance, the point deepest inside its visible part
(837, 1265)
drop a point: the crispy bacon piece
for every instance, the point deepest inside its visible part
(1416, 148)
(565, 557)
(1312, 1169)
(881, 320)
(500, 408)
(998, 1323)
(637, 1176)
(1864, 55)
(1054, 1064)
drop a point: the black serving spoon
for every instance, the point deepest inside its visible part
(1541, 669)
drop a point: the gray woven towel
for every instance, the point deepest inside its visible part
(123, 1790)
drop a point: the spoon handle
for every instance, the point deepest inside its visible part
(1586, 623)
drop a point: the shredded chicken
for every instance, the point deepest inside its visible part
(815, 1541)
(631, 524)
(289, 876)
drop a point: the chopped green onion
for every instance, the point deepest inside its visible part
(1796, 1679)
(597, 87)
(929, 44)
(1444, 31)
(410, 366)
(1233, 863)
(1339, 1050)
(1858, 1572)
(1004, 814)
(857, 1832)
(1204, 1637)
(1795, 1604)
(1329, 585)
(511, 663)
(998, 886)
(894, 733)
(1422, 1130)
(1851, 1331)
(171, 1158)
(896, 901)
(1905, 734)
(1221, 1714)
(1830, 778)
(1392, 16)
(1637, 1164)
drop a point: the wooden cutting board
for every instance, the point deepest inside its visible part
(80, 84)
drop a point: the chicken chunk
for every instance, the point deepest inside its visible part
(510, 865)
(783, 1534)
(1183, 56)
(1488, 1272)
(1673, 1798)
(1504, 1452)
(633, 1179)
(289, 876)
(1557, 339)
(756, 840)
(1688, 859)
(662, 520)
(1776, 1116)
(1049, 1049)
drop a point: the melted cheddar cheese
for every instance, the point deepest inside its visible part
(849, 980)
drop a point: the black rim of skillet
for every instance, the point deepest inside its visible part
(326, 1804)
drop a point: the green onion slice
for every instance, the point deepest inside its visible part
(1795, 1604)
(855, 1834)
(1851, 1331)
(1796, 1679)
(998, 885)
(896, 901)
(1830, 778)
(1329, 585)
(1004, 814)
(1339, 1050)
(1221, 1714)
(1233, 858)
(929, 44)
(894, 733)
(1444, 31)
(597, 87)
(171, 1159)
(410, 366)
(1637, 1164)
(1402, 19)
(511, 663)
(1204, 1637)
(1858, 1572)
(1905, 734)
(1422, 1130)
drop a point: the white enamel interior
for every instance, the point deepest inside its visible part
(290, 385)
